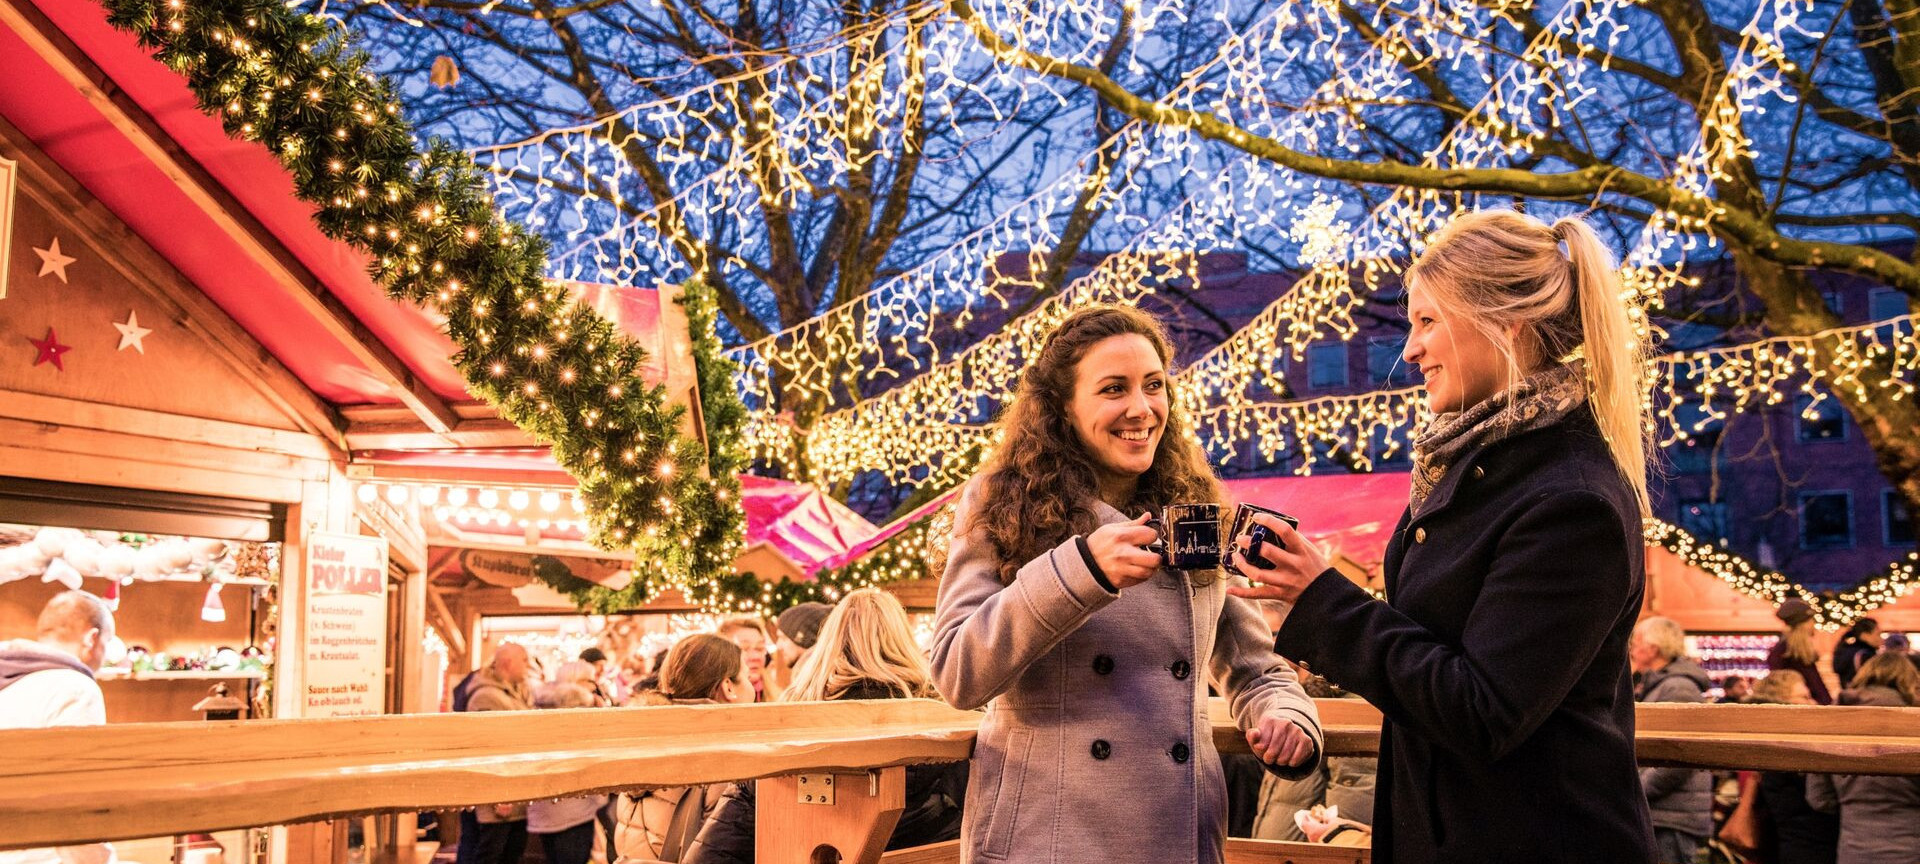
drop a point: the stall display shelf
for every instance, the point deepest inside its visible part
(182, 675)
(1724, 654)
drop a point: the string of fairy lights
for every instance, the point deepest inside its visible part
(831, 356)
(1831, 611)
(903, 431)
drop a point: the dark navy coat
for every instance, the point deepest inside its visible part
(1499, 659)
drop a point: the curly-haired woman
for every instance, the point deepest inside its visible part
(1091, 657)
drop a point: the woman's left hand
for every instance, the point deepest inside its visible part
(1294, 567)
(1278, 741)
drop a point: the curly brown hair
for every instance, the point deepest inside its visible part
(1038, 486)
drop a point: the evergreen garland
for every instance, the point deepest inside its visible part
(555, 368)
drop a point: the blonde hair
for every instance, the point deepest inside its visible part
(574, 672)
(562, 694)
(866, 639)
(1892, 671)
(1664, 635)
(1777, 688)
(1799, 640)
(1502, 269)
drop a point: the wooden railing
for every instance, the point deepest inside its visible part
(63, 786)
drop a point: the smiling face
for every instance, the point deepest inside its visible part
(1460, 365)
(1119, 410)
(753, 649)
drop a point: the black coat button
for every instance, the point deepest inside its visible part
(1103, 665)
(1181, 669)
(1179, 752)
(1101, 749)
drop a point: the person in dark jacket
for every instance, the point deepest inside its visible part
(1680, 799)
(865, 650)
(1879, 816)
(1795, 651)
(1856, 646)
(1499, 659)
(1800, 834)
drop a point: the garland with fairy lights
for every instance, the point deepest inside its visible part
(553, 367)
(711, 550)
(1832, 610)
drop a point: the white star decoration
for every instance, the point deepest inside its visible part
(52, 261)
(131, 333)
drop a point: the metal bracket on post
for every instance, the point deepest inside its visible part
(815, 789)
(800, 818)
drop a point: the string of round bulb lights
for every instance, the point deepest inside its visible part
(554, 367)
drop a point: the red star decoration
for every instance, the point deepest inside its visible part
(50, 350)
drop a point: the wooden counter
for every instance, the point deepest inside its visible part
(63, 786)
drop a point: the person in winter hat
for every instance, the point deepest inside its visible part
(1795, 652)
(799, 629)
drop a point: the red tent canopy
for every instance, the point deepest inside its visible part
(1349, 515)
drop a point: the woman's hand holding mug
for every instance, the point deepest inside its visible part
(1278, 741)
(1119, 549)
(1296, 563)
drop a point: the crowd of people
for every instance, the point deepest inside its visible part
(860, 648)
(1781, 817)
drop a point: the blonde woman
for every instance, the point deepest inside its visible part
(1879, 816)
(1515, 575)
(1795, 652)
(865, 651)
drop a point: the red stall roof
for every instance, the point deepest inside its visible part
(225, 214)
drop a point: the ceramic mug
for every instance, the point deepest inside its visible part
(1244, 526)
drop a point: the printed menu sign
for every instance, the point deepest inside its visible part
(345, 650)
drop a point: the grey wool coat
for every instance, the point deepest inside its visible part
(1096, 744)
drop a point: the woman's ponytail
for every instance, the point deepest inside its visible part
(1616, 352)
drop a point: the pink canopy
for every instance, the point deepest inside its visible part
(806, 526)
(1350, 515)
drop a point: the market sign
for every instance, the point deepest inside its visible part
(344, 652)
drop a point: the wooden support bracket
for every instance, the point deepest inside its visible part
(827, 818)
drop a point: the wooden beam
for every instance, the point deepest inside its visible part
(60, 411)
(69, 204)
(479, 425)
(154, 779)
(1243, 851)
(218, 204)
(126, 469)
(1239, 851)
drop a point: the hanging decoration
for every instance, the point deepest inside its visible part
(131, 333)
(53, 262)
(563, 373)
(49, 350)
(445, 72)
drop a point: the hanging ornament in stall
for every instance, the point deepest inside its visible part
(212, 610)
